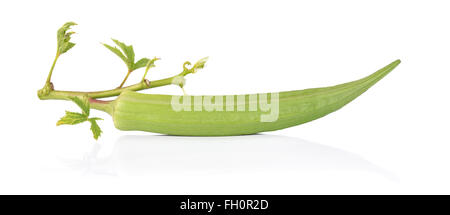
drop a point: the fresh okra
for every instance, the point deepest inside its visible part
(219, 115)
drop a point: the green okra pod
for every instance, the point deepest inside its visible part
(189, 115)
(219, 115)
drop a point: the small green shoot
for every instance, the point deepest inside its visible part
(86, 100)
(200, 64)
(150, 64)
(63, 45)
(180, 80)
(64, 37)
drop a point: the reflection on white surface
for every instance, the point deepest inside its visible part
(149, 154)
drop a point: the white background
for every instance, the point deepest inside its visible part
(394, 139)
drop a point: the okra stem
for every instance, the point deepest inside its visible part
(65, 95)
(125, 79)
(106, 106)
(52, 68)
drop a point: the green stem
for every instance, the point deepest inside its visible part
(49, 77)
(162, 82)
(65, 95)
(145, 74)
(125, 79)
(106, 106)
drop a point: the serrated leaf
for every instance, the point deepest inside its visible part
(72, 118)
(83, 103)
(128, 51)
(63, 38)
(96, 131)
(117, 52)
(121, 45)
(141, 63)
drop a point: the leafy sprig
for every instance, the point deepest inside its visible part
(73, 118)
(64, 37)
(126, 53)
(63, 45)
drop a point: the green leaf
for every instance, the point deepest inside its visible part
(72, 118)
(117, 52)
(121, 45)
(96, 131)
(128, 51)
(141, 63)
(130, 55)
(83, 103)
(63, 38)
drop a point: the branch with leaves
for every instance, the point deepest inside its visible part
(88, 100)
(73, 118)
(126, 53)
